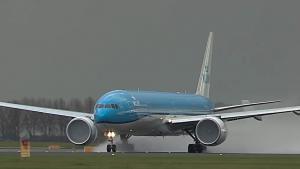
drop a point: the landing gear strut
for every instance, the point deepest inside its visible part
(197, 147)
(111, 147)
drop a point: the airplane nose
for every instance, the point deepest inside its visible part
(101, 115)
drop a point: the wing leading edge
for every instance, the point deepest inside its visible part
(46, 110)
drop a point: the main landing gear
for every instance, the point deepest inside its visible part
(111, 147)
(197, 147)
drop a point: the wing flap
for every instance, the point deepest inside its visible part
(46, 110)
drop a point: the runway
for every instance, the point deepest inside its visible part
(71, 152)
(75, 151)
(80, 152)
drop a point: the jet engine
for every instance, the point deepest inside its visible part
(211, 131)
(81, 131)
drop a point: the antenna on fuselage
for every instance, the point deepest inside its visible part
(204, 78)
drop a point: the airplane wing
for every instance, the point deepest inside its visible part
(46, 110)
(234, 115)
(243, 105)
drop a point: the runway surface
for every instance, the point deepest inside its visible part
(74, 151)
(45, 151)
(79, 160)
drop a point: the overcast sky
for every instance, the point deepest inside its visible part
(76, 49)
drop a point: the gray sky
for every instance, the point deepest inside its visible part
(70, 48)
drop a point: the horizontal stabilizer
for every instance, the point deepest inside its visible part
(250, 108)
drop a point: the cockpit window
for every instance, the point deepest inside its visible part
(99, 106)
(113, 106)
(109, 106)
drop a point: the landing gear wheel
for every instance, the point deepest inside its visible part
(114, 148)
(111, 148)
(191, 148)
(196, 148)
(108, 148)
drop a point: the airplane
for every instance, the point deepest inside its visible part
(150, 113)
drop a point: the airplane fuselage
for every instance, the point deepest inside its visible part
(128, 111)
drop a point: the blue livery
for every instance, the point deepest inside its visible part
(121, 106)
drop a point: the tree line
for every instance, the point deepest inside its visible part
(40, 126)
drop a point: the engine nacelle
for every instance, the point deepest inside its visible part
(81, 131)
(211, 131)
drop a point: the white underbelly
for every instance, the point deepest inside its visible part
(146, 126)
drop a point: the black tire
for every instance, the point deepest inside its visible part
(108, 148)
(114, 148)
(198, 148)
(191, 148)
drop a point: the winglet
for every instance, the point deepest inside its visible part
(204, 79)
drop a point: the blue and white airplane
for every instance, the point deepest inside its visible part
(148, 113)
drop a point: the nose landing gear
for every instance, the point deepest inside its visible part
(111, 147)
